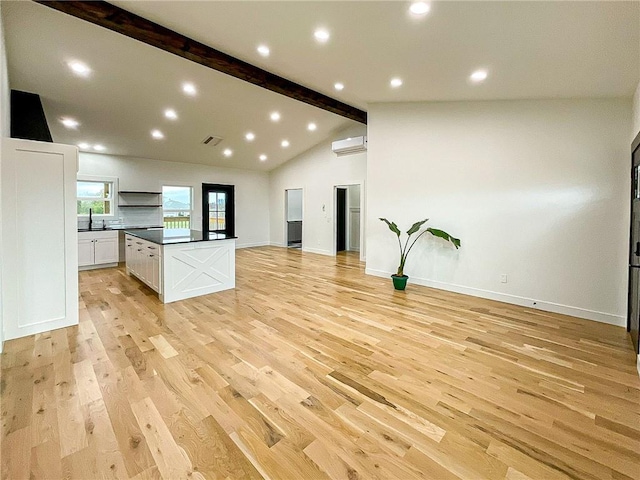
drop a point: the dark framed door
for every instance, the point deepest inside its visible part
(218, 208)
(633, 305)
(341, 219)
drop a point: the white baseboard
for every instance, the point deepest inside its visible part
(249, 245)
(96, 267)
(602, 317)
(319, 251)
(304, 249)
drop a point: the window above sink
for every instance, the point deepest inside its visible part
(97, 194)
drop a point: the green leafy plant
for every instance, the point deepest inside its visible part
(415, 228)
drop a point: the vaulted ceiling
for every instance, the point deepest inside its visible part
(528, 50)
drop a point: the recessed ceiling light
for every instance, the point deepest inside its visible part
(478, 76)
(170, 114)
(420, 8)
(263, 50)
(189, 88)
(227, 152)
(338, 86)
(79, 68)
(311, 127)
(157, 134)
(284, 143)
(69, 122)
(262, 157)
(250, 136)
(321, 35)
(99, 148)
(395, 82)
(275, 116)
(84, 146)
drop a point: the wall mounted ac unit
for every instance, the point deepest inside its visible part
(349, 146)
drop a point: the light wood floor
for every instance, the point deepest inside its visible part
(310, 369)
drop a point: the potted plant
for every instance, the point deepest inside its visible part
(400, 279)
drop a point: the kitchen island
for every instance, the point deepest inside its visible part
(181, 263)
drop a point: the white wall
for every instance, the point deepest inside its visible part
(634, 132)
(294, 205)
(5, 128)
(535, 189)
(5, 92)
(317, 172)
(636, 113)
(251, 188)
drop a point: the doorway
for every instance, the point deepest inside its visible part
(341, 219)
(218, 209)
(347, 215)
(293, 215)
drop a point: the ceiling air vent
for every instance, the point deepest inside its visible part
(211, 141)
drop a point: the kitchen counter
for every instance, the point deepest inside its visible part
(116, 227)
(176, 235)
(133, 227)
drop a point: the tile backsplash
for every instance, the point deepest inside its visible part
(134, 209)
(128, 217)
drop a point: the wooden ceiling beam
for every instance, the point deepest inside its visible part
(134, 26)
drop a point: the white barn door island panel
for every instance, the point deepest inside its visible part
(197, 269)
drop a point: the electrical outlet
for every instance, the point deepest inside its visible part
(503, 278)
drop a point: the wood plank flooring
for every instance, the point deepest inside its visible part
(310, 369)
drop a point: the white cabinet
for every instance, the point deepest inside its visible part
(85, 252)
(128, 253)
(154, 272)
(39, 237)
(106, 249)
(97, 249)
(144, 260)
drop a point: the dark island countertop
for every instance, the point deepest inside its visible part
(172, 236)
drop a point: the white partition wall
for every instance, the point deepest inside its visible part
(40, 257)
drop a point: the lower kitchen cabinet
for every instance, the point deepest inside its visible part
(97, 249)
(144, 260)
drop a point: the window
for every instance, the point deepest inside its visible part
(176, 207)
(95, 195)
